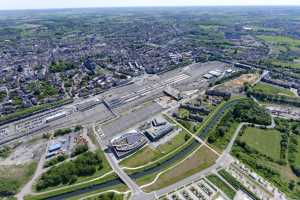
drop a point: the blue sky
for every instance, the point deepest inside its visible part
(36, 4)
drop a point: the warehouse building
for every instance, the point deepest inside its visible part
(53, 149)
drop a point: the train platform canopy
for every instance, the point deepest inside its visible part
(172, 92)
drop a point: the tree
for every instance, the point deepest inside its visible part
(222, 130)
(79, 149)
(292, 185)
(77, 128)
(187, 137)
(85, 164)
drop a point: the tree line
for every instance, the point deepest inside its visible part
(67, 173)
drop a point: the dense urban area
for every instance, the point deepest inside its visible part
(179, 103)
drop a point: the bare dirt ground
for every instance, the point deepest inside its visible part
(25, 152)
(237, 84)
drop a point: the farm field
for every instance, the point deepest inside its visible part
(269, 89)
(292, 64)
(280, 40)
(281, 46)
(266, 142)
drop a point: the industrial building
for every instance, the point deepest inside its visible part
(218, 93)
(215, 73)
(54, 149)
(159, 128)
(127, 143)
(208, 76)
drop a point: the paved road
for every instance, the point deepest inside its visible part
(265, 72)
(27, 189)
(224, 160)
(131, 94)
(236, 133)
(137, 192)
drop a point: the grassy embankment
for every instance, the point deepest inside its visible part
(273, 90)
(200, 160)
(221, 185)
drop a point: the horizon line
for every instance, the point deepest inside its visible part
(153, 6)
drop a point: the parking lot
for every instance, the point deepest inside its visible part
(199, 190)
(129, 119)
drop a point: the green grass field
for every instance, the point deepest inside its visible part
(268, 142)
(108, 196)
(297, 161)
(62, 190)
(264, 141)
(106, 168)
(280, 40)
(283, 44)
(104, 194)
(148, 154)
(280, 180)
(141, 157)
(221, 142)
(201, 159)
(285, 64)
(269, 89)
(14, 177)
(174, 143)
(221, 185)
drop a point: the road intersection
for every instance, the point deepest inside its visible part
(225, 159)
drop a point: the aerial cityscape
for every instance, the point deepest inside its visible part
(150, 103)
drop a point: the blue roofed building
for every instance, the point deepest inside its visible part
(54, 147)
